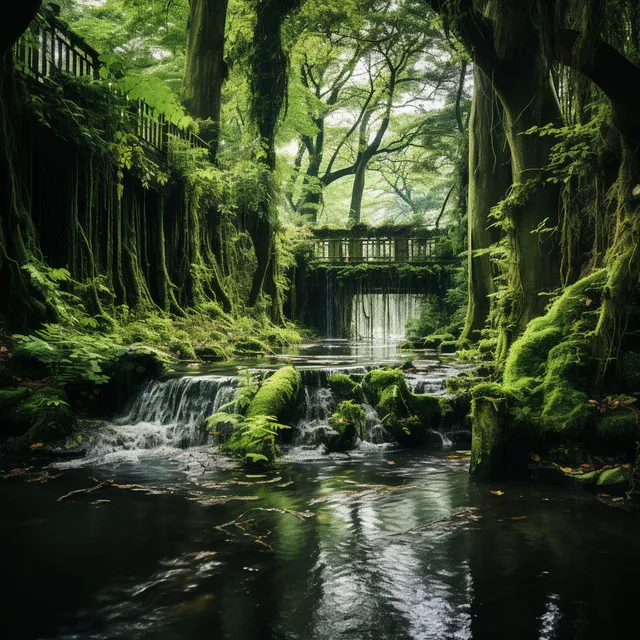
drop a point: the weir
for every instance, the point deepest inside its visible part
(366, 282)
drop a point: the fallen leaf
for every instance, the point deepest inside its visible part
(617, 500)
(519, 517)
(626, 466)
(37, 445)
(453, 457)
(584, 465)
(535, 457)
(497, 492)
(566, 469)
(588, 302)
(603, 495)
(593, 402)
(390, 462)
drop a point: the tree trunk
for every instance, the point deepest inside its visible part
(206, 69)
(357, 192)
(489, 181)
(529, 100)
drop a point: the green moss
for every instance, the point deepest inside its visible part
(528, 355)
(379, 379)
(348, 423)
(342, 386)
(428, 408)
(489, 412)
(614, 480)
(434, 341)
(276, 397)
(621, 427)
(448, 346)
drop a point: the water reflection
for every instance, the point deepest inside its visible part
(409, 550)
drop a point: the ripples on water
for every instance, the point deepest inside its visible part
(375, 543)
(412, 549)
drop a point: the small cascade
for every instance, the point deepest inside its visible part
(186, 401)
(382, 317)
(166, 414)
(374, 431)
(319, 404)
(423, 383)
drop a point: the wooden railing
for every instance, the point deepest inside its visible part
(49, 48)
(397, 249)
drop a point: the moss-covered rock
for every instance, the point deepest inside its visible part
(407, 417)
(348, 423)
(489, 413)
(434, 341)
(448, 346)
(342, 386)
(277, 395)
(376, 381)
(614, 480)
(619, 428)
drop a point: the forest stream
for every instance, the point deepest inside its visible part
(378, 542)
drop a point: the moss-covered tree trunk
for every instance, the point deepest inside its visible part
(269, 67)
(489, 181)
(206, 69)
(529, 100)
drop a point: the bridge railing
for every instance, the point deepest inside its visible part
(377, 250)
(49, 48)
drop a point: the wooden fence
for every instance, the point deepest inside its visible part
(399, 249)
(49, 48)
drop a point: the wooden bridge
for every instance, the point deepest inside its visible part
(50, 49)
(363, 245)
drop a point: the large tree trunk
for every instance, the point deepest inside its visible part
(206, 69)
(489, 181)
(269, 86)
(529, 100)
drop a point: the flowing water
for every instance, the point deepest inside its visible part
(378, 543)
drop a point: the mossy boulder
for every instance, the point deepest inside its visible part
(434, 341)
(490, 418)
(407, 417)
(448, 346)
(376, 381)
(342, 386)
(614, 480)
(349, 424)
(619, 428)
(277, 395)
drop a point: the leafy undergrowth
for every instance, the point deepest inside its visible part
(89, 364)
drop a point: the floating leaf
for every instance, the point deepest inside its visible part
(566, 469)
(497, 492)
(390, 461)
(37, 445)
(535, 457)
(519, 517)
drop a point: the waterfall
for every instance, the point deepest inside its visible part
(382, 317)
(185, 401)
(166, 414)
(319, 404)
